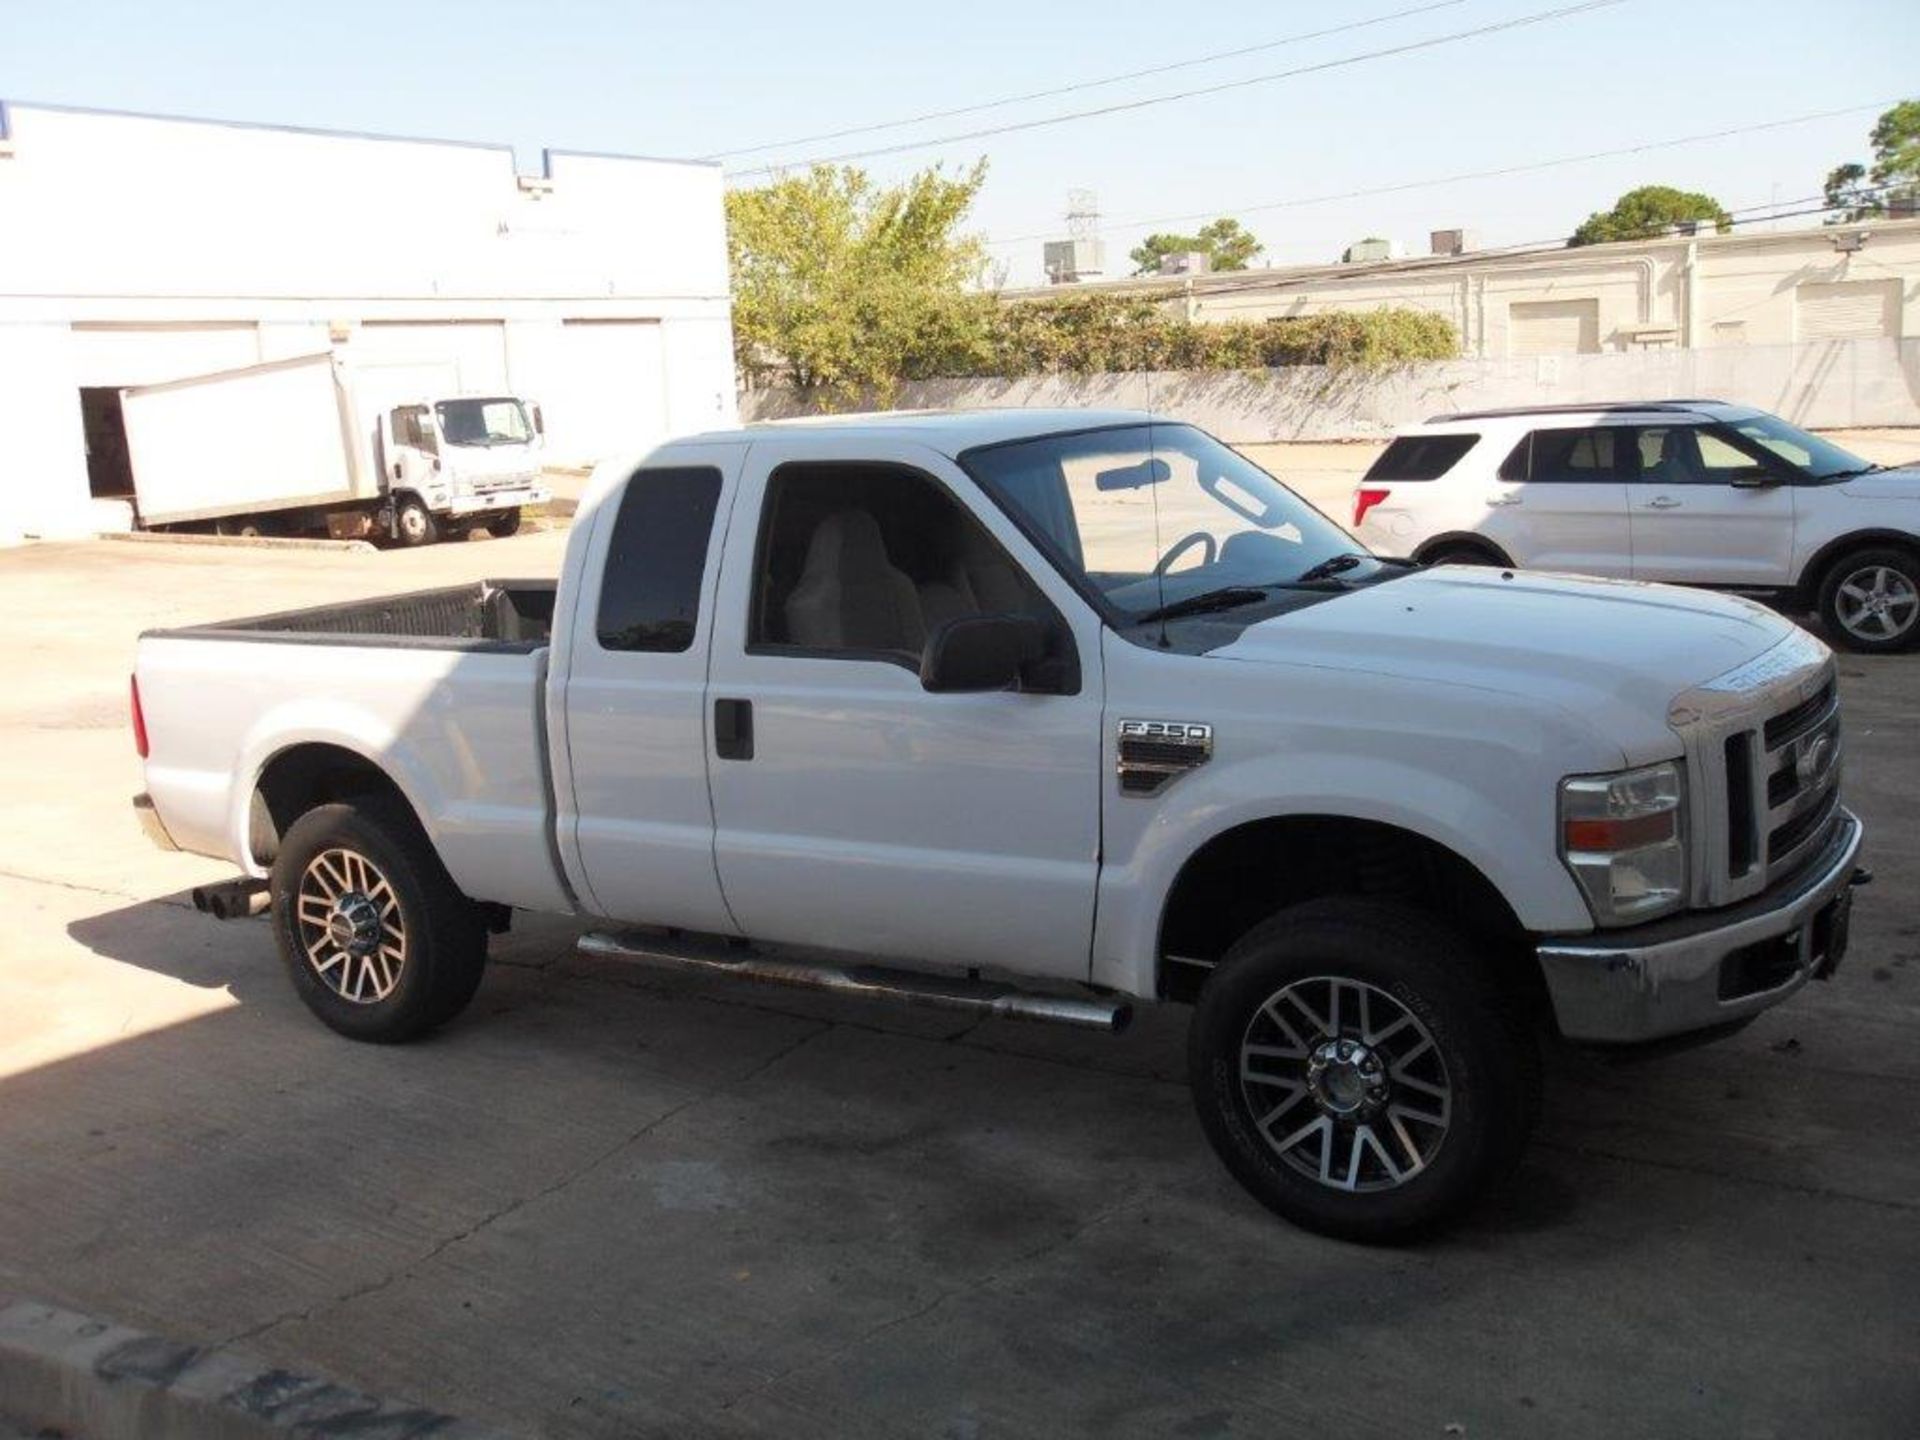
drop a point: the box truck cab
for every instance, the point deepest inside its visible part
(451, 463)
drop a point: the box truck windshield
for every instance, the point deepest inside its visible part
(499, 421)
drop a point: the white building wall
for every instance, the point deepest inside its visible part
(140, 249)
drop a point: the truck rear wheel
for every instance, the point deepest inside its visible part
(506, 523)
(1358, 1071)
(378, 941)
(414, 523)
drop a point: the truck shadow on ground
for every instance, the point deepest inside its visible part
(748, 1185)
(537, 983)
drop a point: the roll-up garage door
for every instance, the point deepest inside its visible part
(612, 392)
(1846, 309)
(1553, 327)
(397, 362)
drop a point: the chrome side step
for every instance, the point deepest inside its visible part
(873, 981)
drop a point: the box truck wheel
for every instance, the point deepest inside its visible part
(506, 523)
(414, 523)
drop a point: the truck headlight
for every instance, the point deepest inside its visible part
(1621, 836)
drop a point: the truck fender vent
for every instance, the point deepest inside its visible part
(1154, 753)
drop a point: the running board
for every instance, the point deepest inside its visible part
(872, 981)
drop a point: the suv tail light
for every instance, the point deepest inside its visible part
(1364, 499)
(139, 717)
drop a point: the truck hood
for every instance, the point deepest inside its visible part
(1614, 653)
(481, 462)
(1900, 483)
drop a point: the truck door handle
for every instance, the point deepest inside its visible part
(733, 729)
(1503, 499)
(1663, 502)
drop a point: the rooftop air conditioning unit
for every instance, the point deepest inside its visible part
(1451, 242)
(1186, 262)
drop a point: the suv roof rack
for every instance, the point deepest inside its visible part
(1602, 407)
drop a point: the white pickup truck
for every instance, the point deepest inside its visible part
(1038, 714)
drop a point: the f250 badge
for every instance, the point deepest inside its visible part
(1152, 753)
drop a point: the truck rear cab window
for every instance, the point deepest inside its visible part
(1420, 457)
(864, 561)
(1565, 457)
(650, 593)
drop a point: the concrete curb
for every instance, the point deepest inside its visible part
(254, 542)
(87, 1378)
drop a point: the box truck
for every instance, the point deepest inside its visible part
(282, 448)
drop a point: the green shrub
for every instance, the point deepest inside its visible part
(1099, 334)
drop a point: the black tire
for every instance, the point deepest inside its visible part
(504, 523)
(1483, 1055)
(414, 524)
(1847, 598)
(442, 940)
(1462, 554)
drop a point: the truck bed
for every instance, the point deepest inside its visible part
(502, 616)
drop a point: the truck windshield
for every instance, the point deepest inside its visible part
(1161, 518)
(501, 421)
(1822, 459)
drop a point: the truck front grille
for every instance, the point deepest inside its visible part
(1782, 788)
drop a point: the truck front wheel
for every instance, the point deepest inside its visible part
(1359, 1072)
(379, 942)
(414, 523)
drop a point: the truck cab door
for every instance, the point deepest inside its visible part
(629, 734)
(853, 808)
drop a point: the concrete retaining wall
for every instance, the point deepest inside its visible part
(1829, 385)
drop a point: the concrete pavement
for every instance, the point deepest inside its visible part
(608, 1202)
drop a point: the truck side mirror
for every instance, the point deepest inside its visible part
(539, 420)
(981, 652)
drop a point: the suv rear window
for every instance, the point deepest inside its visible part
(1420, 457)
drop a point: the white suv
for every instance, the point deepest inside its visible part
(1695, 492)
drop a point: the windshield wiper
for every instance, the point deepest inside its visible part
(1226, 597)
(1331, 566)
(1857, 470)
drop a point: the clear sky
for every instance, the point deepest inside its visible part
(696, 80)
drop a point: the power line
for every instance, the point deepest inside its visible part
(1466, 175)
(1541, 17)
(1048, 94)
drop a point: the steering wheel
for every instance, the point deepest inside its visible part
(1198, 537)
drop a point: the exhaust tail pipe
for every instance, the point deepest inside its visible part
(231, 899)
(872, 981)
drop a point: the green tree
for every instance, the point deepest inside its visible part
(842, 287)
(1858, 192)
(1648, 211)
(1227, 244)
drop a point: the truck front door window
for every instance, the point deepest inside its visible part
(865, 561)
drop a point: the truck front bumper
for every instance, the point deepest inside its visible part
(498, 500)
(1696, 971)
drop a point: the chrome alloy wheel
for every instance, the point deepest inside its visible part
(1345, 1084)
(1877, 602)
(350, 926)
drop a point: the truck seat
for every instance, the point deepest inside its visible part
(849, 595)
